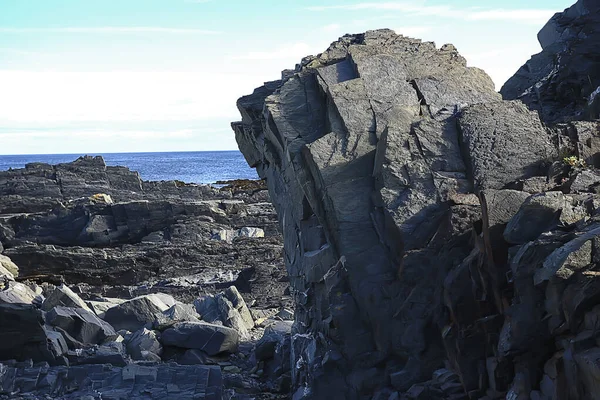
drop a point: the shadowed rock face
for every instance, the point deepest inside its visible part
(392, 166)
(563, 81)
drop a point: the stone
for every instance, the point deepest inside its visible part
(81, 324)
(8, 265)
(135, 382)
(15, 292)
(100, 307)
(65, 297)
(588, 363)
(501, 152)
(24, 335)
(138, 312)
(251, 232)
(142, 342)
(540, 213)
(211, 339)
(179, 312)
(560, 81)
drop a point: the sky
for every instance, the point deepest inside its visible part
(102, 76)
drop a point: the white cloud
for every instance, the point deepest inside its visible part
(533, 16)
(119, 96)
(292, 51)
(112, 30)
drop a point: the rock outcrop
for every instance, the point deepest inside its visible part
(420, 263)
(563, 81)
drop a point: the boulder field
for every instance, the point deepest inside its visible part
(441, 239)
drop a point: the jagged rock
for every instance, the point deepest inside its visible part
(24, 335)
(540, 213)
(8, 265)
(211, 339)
(562, 80)
(5, 274)
(100, 307)
(179, 312)
(138, 312)
(142, 342)
(65, 297)
(81, 324)
(193, 357)
(238, 302)
(15, 292)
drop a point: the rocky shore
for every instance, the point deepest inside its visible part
(113, 287)
(441, 239)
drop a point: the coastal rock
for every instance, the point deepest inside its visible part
(85, 381)
(18, 293)
(562, 81)
(24, 335)
(415, 236)
(65, 297)
(139, 312)
(141, 343)
(211, 339)
(9, 266)
(81, 324)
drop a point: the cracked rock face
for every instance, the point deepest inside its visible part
(437, 243)
(372, 152)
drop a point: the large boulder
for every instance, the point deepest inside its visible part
(63, 296)
(138, 312)
(24, 335)
(16, 292)
(81, 324)
(7, 265)
(211, 339)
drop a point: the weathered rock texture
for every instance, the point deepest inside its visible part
(86, 222)
(395, 169)
(563, 81)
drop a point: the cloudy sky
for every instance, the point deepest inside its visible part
(103, 76)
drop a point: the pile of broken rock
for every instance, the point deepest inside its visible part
(152, 346)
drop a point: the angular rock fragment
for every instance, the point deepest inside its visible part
(138, 312)
(211, 339)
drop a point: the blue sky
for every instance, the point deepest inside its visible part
(103, 76)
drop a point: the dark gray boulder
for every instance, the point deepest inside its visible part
(81, 324)
(24, 335)
(142, 342)
(138, 312)
(211, 339)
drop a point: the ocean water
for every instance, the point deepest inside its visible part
(190, 167)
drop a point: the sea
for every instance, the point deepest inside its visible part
(192, 167)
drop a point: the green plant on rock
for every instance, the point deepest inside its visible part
(574, 161)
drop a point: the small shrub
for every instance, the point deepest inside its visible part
(574, 161)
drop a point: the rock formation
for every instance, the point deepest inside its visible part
(440, 241)
(101, 277)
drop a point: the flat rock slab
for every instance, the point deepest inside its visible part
(212, 339)
(164, 381)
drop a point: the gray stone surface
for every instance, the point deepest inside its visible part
(211, 339)
(167, 381)
(81, 324)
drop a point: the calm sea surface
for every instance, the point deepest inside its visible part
(191, 167)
